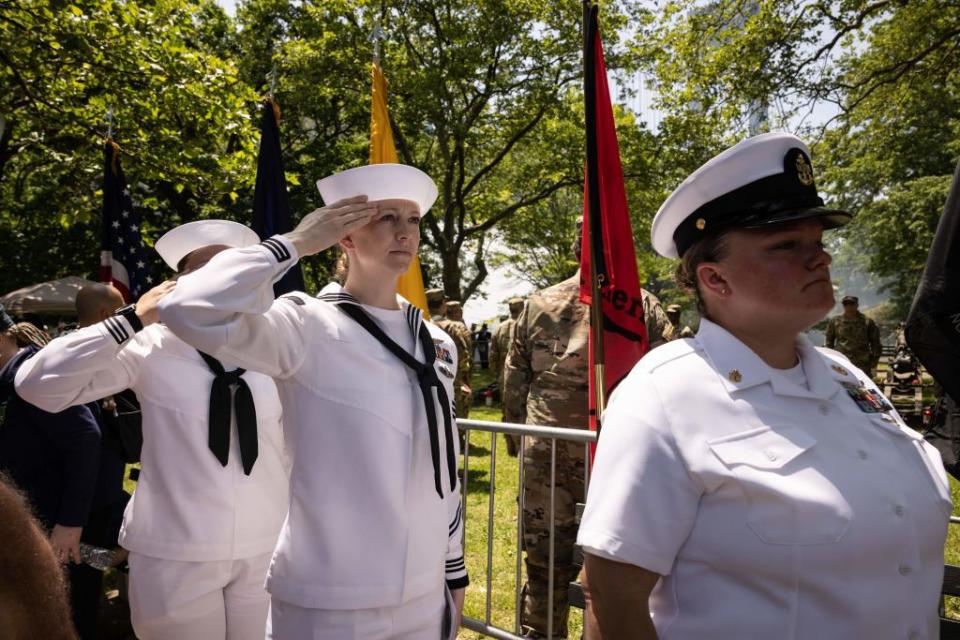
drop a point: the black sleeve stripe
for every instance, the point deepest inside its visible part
(116, 329)
(458, 583)
(277, 248)
(456, 519)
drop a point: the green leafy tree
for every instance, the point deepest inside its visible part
(181, 117)
(476, 92)
(873, 84)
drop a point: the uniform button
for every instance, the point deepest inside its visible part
(904, 570)
(898, 510)
(823, 409)
(861, 454)
(771, 456)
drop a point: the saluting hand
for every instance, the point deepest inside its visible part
(147, 304)
(325, 227)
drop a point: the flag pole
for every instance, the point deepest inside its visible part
(597, 266)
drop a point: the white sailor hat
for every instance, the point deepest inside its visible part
(177, 243)
(385, 181)
(763, 180)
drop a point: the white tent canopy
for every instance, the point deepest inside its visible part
(57, 297)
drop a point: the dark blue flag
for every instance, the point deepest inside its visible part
(933, 325)
(271, 205)
(124, 260)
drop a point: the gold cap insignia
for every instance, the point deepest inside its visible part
(839, 369)
(734, 376)
(804, 171)
(701, 224)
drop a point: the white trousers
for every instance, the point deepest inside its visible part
(223, 600)
(417, 619)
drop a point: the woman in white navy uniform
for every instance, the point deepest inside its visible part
(212, 493)
(748, 484)
(372, 545)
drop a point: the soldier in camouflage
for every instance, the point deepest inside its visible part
(460, 334)
(546, 383)
(855, 336)
(499, 347)
(676, 332)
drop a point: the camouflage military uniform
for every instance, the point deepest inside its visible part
(857, 338)
(461, 337)
(499, 346)
(546, 383)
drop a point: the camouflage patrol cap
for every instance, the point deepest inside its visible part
(453, 305)
(515, 302)
(850, 300)
(434, 296)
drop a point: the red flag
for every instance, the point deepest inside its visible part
(607, 245)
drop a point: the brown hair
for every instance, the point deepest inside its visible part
(25, 333)
(710, 249)
(342, 267)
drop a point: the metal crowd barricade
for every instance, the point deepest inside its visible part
(485, 626)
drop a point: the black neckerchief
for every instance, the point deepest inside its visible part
(244, 408)
(426, 376)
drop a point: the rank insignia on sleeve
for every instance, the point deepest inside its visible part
(868, 400)
(445, 371)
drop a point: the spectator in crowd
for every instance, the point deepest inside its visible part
(855, 336)
(371, 548)
(55, 459)
(482, 340)
(746, 483)
(546, 383)
(214, 483)
(33, 596)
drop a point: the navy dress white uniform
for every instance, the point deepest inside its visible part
(786, 504)
(200, 533)
(367, 528)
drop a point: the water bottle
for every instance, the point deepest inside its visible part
(96, 557)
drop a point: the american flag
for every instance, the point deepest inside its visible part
(124, 260)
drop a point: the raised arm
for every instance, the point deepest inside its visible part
(80, 367)
(227, 308)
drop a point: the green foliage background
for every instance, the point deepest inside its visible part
(486, 97)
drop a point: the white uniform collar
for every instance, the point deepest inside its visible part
(334, 293)
(740, 368)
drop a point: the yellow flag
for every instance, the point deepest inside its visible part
(382, 149)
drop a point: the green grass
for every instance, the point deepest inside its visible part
(503, 574)
(504, 564)
(951, 550)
